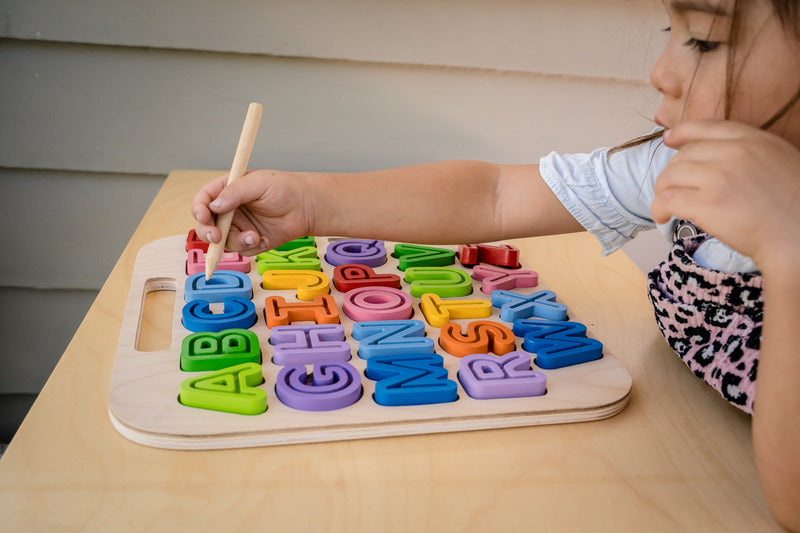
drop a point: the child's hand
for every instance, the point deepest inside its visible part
(270, 210)
(736, 182)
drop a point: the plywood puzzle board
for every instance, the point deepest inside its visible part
(145, 393)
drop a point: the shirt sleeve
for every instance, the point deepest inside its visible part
(609, 195)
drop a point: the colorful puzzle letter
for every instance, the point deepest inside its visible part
(349, 277)
(414, 255)
(558, 343)
(495, 278)
(233, 390)
(309, 283)
(377, 303)
(308, 343)
(362, 252)
(204, 351)
(223, 284)
(303, 258)
(482, 336)
(193, 242)
(447, 282)
(542, 304)
(329, 386)
(486, 376)
(411, 379)
(503, 255)
(196, 262)
(439, 312)
(237, 313)
(297, 243)
(391, 337)
(321, 310)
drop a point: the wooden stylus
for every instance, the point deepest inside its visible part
(238, 168)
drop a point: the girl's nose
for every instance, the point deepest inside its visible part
(664, 78)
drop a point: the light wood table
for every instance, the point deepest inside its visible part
(676, 458)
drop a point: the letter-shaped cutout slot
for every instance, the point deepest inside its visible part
(155, 320)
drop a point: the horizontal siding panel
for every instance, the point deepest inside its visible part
(576, 37)
(110, 109)
(36, 328)
(69, 228)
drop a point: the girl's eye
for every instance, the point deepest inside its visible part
(701, 46)
(697, 44)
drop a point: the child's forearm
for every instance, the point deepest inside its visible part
(776, 418)
(450, 202)
(447, 202)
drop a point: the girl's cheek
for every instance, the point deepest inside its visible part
(706, 92)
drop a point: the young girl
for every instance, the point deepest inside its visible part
(720, 176)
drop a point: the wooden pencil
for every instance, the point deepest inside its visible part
(238, 168)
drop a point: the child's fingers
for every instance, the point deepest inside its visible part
(704, 130)
(207, 194)
(678, 202)
(242, 191)
(248, 242)
(205, 226)
(686, 188)
(680, 173)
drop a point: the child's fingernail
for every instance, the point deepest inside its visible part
(216, 204)
(249, 240)
(208, 237)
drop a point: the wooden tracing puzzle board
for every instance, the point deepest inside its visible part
(143, 394)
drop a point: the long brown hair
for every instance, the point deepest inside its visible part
(787, 12)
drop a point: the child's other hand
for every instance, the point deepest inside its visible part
(736, 182)
(270, 209)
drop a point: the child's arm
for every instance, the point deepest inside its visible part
(743, 186)
(447, 202)
(776, 417)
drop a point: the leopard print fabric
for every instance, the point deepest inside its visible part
(711, 319)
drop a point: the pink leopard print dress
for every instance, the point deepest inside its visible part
(711, 319)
